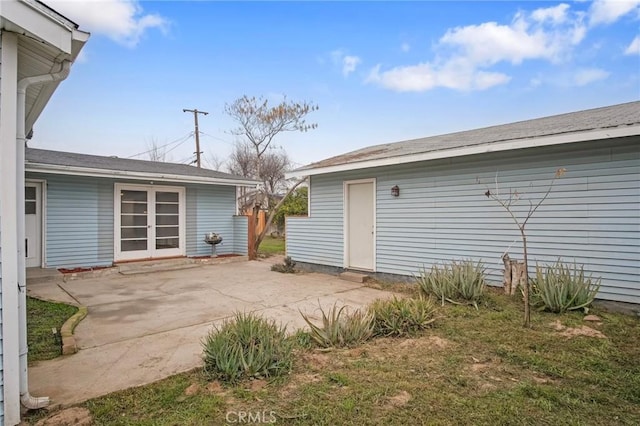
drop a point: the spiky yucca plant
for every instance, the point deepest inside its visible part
(560, 287)
(247, 346)
(455, 282)
(402, 317)
(341, 327)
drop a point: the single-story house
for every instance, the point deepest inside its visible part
(396, 208)
(37, 47)
(89, 210)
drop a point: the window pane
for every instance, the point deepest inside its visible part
(166, 243)
(29, 192)
(133, 196)
(167, 208)
(133, 232)
(169, 231)
(140, 208)
(167, 220)
(130, 220)
(133, 245)
(30, 207)
(166, 197)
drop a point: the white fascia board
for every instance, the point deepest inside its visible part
(41, 25)
(123, 174)
(592, 135)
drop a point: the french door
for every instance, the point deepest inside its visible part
(149, 221)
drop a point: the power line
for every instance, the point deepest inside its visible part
(217, 138)
(180, 139)
(187, 160)
(174, 147)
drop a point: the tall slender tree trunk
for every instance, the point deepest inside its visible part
(526, 288)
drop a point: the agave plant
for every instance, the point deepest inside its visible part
(561, 288)
(341, 327)
(247, 346)
(454, 282)
(402, 317)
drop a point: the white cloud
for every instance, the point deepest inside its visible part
(634, 47)
(589, 75)
(124, 21)
(525, 38)
(609, 11)
(424, 76)
(466, 53)
(348, 63)
(556, 15)
(405, 47)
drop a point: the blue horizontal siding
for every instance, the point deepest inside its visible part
(79, 221)
(210, 208)
(592, 215)
(241, 235)
(318, 238)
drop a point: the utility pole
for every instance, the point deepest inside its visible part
(195, 117)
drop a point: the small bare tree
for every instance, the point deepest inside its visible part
(258, 124)
(214, 162)
(508, 202)
(156, 152)
(274, 165)
(242, 160)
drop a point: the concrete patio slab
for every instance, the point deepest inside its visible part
(142, 328)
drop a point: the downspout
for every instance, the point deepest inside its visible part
(26, 399)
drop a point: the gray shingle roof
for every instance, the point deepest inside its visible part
(600, 118)
(86, 161)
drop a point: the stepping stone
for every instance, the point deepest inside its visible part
(355, 277)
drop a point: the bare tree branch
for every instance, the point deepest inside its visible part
(521, 224)
(258, 123)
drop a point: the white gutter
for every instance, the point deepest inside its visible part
(125, 174)
(26, 399)
(585, 136)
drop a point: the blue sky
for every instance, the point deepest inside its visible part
(379, 71)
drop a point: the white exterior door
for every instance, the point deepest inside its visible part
(33, 224)
(149, 222)
(360, 225)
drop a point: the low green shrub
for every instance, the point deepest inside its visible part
(454, 282)
(341, 327)
(287, 267)
(402, 317)
(247, 346)
(561, 287)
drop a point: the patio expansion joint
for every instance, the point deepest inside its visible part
(69, 294)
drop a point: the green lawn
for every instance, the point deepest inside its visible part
(42, 317)
(474, 367)
(271, 246)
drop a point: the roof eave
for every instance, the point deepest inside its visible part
(513, 144)
(133, 175)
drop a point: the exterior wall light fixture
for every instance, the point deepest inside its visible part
(395, 191)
